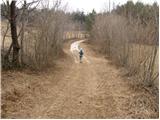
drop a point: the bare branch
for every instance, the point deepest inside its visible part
(5, 34)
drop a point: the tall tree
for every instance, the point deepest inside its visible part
(90, 18)
(15, 43)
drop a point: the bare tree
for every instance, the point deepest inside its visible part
(15, 43)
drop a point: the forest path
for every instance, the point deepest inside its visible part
(89, 89)
(92, 89)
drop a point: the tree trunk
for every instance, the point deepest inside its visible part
(15, 44)
(23, 29)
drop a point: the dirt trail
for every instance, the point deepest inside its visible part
(92, 89)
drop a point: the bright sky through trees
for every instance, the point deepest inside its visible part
(98, 5)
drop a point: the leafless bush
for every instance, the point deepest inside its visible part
(111, 30)
(44, 36)
(124, 41)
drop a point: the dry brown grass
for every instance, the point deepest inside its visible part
(138, 55)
